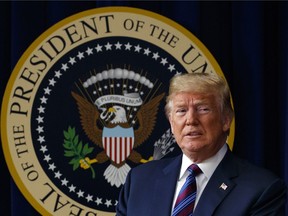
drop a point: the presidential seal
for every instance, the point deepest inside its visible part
(85, 104)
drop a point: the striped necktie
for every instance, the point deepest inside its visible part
(185, 202)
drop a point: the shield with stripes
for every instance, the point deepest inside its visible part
(118, 142)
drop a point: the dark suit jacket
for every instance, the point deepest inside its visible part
(149, 190)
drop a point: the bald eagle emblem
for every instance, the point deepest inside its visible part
(109, 122)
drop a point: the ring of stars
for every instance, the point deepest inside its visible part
(48, 90)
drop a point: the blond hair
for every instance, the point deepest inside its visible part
(203, 83)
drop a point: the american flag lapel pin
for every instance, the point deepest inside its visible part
(223, 186)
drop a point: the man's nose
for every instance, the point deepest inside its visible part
(191, 117)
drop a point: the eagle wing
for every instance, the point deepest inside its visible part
(88, 117)
(147, 117)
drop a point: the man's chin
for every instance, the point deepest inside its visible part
(192, 146)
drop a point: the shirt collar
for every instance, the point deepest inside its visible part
(208, 166)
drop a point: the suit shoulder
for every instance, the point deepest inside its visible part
(254, 173)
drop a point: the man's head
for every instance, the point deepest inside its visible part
(200, 113)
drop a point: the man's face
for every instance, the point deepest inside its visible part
(198, 124)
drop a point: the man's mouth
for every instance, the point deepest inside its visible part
(194, 134)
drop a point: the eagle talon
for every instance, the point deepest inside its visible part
(145, 161)
(86, 163)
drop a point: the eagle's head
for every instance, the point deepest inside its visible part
(119, 113)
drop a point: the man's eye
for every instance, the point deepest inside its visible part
(180, 111)
(203, 109)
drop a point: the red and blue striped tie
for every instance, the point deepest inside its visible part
(185, 202)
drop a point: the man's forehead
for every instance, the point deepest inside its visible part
(195, 97)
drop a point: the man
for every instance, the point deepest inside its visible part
(200, 114)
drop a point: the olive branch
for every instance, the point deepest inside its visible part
(75, 149)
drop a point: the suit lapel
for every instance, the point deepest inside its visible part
(218, 187)
(165, 187)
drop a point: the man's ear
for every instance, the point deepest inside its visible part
(227, 122)
(171, 124)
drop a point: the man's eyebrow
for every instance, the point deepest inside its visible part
(201, 101)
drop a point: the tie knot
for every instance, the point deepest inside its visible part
(194, 169)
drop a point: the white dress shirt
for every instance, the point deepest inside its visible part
(208, 167)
